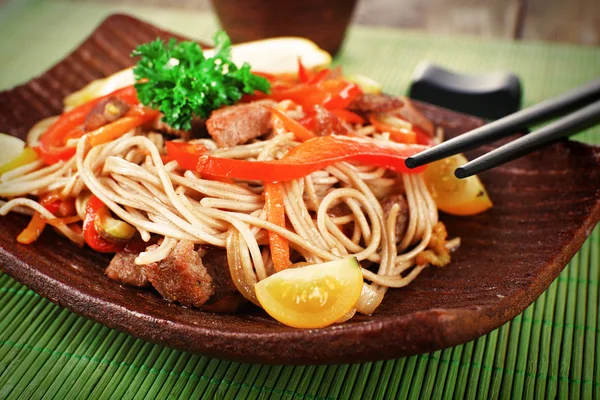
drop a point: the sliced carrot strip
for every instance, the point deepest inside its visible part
(33, 230)
(280, 248)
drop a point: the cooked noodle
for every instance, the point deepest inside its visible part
(128, 175)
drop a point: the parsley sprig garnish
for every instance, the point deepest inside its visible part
(177, 79)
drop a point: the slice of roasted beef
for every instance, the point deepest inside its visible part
(181, 277)
(327, 123)
(237, 124)
(410, 113)
(123, 269)
(226, 297)
(198, 129)
(367, 103)
(192, 278)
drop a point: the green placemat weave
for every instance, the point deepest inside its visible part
(552, 349)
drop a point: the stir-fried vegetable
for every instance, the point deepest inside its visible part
(33, 230)
(291, 125)
(99, 227)
(177, 79)
(52, 144)
(303, 74)
(366, 84)
(186, 154)
(28, 155)
(280, 249)
(100, 87)
(313, 155)
(112, 229)
(118, 128)
(348, 116)
(13, 153)
(309, 89)
(400, 131)
(58, 207)
(452, 195)
(330, 93)
(313, 296)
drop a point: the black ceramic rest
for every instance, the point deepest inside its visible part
(489, 96)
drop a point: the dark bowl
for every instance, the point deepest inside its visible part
(546, 204)
(323, 22)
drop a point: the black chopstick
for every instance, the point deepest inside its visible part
(510, 124)
(566, 126)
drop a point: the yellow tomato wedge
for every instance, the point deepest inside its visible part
(100, 87)
(13, 153)
(312, 296)
(452, 195)
(366, 84)
(278, 55)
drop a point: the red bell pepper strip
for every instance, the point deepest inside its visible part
(302, 72)
(320, 76)
(422, 137)
(280, 248)
(308, 122)
(52, 143)
(51, 202)
(186, 154)
(313, 155)
(64, 209)
(33, 230)
(304, 75)
(331, 94)
(121, 126)
(57, 206)
(291, 125)
(91, 235)
(348, 116)
(305, 95)
(345, 91)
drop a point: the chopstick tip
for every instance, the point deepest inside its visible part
(461, 173)
(410, 162)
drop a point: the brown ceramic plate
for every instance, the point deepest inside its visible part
(546, 204)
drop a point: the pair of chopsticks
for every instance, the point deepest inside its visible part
(584, 99)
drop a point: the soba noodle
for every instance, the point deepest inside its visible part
(128, 175)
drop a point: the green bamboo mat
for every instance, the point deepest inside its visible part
(551, 350)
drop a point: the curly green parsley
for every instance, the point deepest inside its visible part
(178, 80)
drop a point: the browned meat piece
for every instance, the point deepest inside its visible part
(226, 297)
(105, 112)
(367, 103)
(403, 215)
(415, 117)
(192, 278)
(339, 210)
(123, 269)
(237, 124)
(198, 129)
(181, 277)
(437, 253)
(162, 127)
(327, 123)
